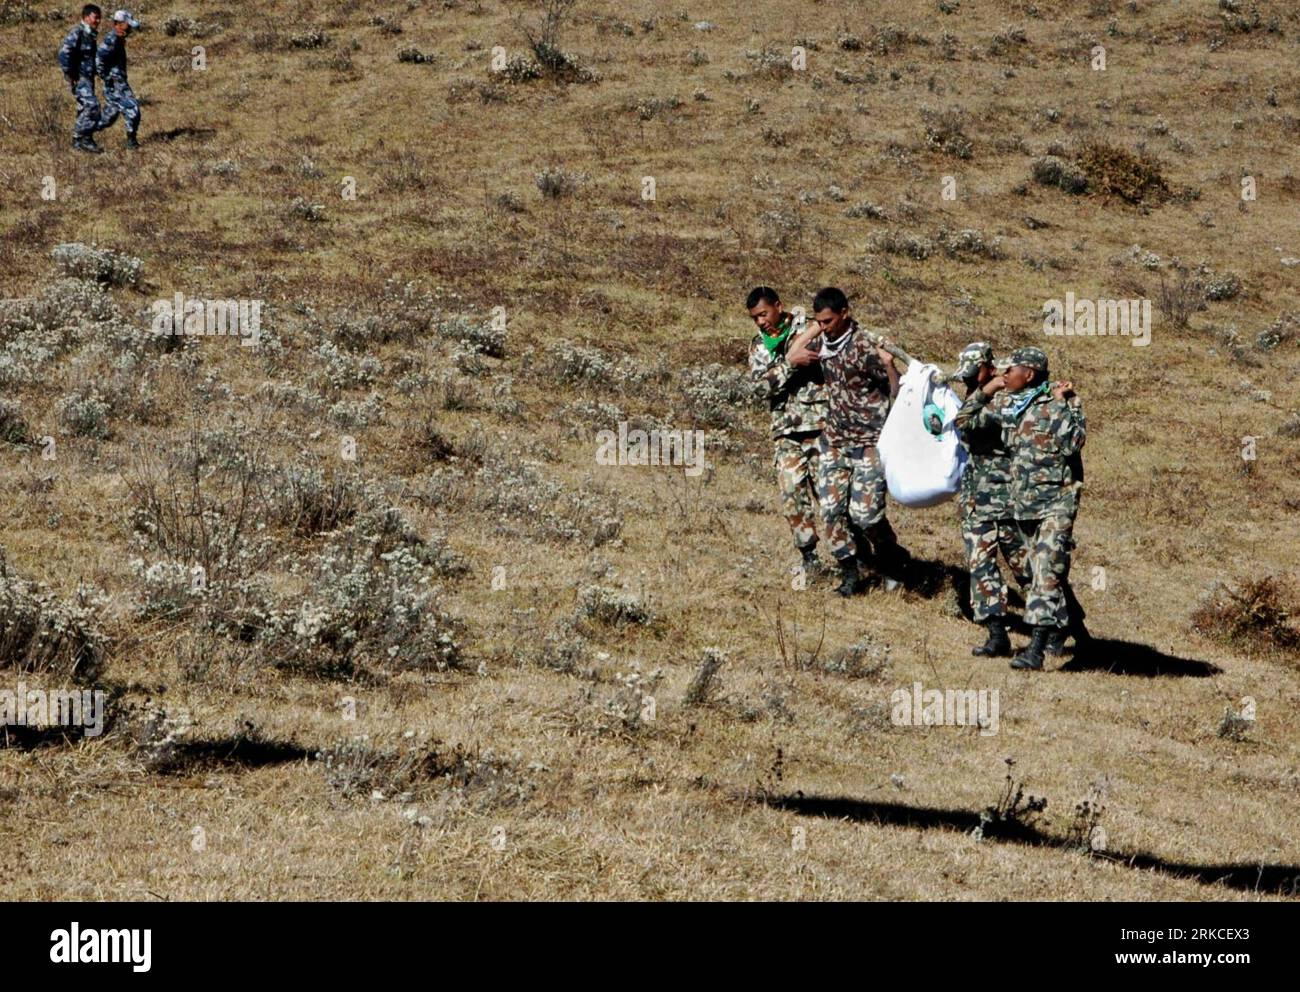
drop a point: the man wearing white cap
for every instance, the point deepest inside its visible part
(110, 61)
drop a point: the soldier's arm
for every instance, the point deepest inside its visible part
(1072, 428)
(65, 58)
(804, 347)
(974, 414)
(891, 371)
(102, 54)
(771, 369)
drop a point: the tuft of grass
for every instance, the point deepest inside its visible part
(1014, 813)
(702, 682)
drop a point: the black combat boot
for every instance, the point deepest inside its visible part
(851, 579)
(1031, 657)
(888, 557)
(86, 145)
(998, 644)
(812, 565)
(131, 143)
(1074, 626)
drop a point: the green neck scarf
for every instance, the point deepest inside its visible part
(784, 328)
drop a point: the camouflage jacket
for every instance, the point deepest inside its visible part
(986, 481)
(1046, 444)
(77, 53)
(796, 397)
(110, 59)
(857, 387)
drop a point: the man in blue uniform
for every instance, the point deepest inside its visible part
(110, 62)
(77, 60)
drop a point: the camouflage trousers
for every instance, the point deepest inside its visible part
(119, 99)
(88, 118)
(1047, 545)
(988, 590)
(796, 477)
(851, 491)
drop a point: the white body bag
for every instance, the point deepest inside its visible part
(922, 468)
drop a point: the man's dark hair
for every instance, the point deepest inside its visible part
(91, 8)
(830, 298)
(761, 294)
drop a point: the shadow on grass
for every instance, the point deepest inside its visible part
(1101, 654)
(202, 133)
(1267, 879)
(1117, 657)
(243, 750)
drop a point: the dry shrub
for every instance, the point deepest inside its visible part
(1253, 615)
(1180, 295)
(1133, 178)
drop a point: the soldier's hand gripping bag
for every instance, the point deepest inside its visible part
(919, 449)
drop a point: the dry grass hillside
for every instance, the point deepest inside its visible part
(426, 671)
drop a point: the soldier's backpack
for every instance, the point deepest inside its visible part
(919, 449)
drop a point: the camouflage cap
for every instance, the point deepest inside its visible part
(1030, 357)
(971, 358)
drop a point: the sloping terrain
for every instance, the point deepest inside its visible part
(374, 623)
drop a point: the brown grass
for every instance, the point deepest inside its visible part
(562, 786)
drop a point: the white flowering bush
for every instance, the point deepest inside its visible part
(204, 502)
(167, 588)
(97, 264)
(308, 502)
(398, 312)
(773, 61)
(556, 182)
(632, 704)
(1052, 170)
(968, 243)
(344, 370)
(364, 607)
(480, 336)
(41, 632)
(892, 242)
(522, 69)
(715, 395)
(612, 608)
(35, 332)
(14, 428)
(572, 364)
(160, 737)
(521, 497)
(85, 413)
(356, 414)
(360, 768)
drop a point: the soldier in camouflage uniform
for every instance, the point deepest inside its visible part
(797, 401)
(1044, 429)
(110, 62)
(77, 60)
(985, 501)
(861, 381)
